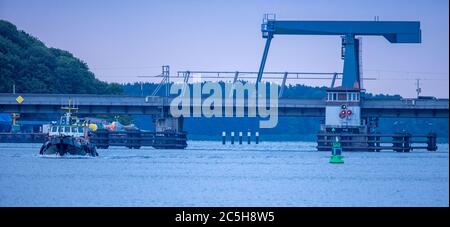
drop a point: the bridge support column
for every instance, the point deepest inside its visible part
(351, 77)
(169, 132)
(169, 124)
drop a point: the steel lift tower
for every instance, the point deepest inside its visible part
(393, 31)
(343, 103)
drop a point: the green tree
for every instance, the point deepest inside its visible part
(34, 68)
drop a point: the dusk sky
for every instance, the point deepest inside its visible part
(121, 40)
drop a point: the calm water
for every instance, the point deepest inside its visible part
(210, 174)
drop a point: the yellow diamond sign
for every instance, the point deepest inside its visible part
(19, 99)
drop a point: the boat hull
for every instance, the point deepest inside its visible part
(67, 145)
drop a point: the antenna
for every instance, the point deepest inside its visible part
(69, 109)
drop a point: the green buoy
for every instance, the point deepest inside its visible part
(336, 152)
(336, 159)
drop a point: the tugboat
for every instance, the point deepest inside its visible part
(69, 136)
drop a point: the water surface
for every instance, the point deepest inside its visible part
(208, 173)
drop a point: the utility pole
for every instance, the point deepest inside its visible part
(14, 127)
(166, 74)
(164, 82)
(418, 89)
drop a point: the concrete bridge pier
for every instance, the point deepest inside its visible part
(165, 122)
(169, 132)
(169, 124)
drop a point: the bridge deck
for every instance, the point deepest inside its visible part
(113, 104)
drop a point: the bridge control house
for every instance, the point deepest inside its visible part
(342, 108)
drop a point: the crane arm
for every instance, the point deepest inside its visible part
(393, 31)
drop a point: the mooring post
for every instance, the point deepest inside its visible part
(256, 137)
(224, 137)
(232, 137)
(370, 142)
(249, 137)
(240, 137)
(431, 142)
(396, 142)
(377, 143)
(407, 142)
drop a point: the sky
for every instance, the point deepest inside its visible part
(121, 41)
